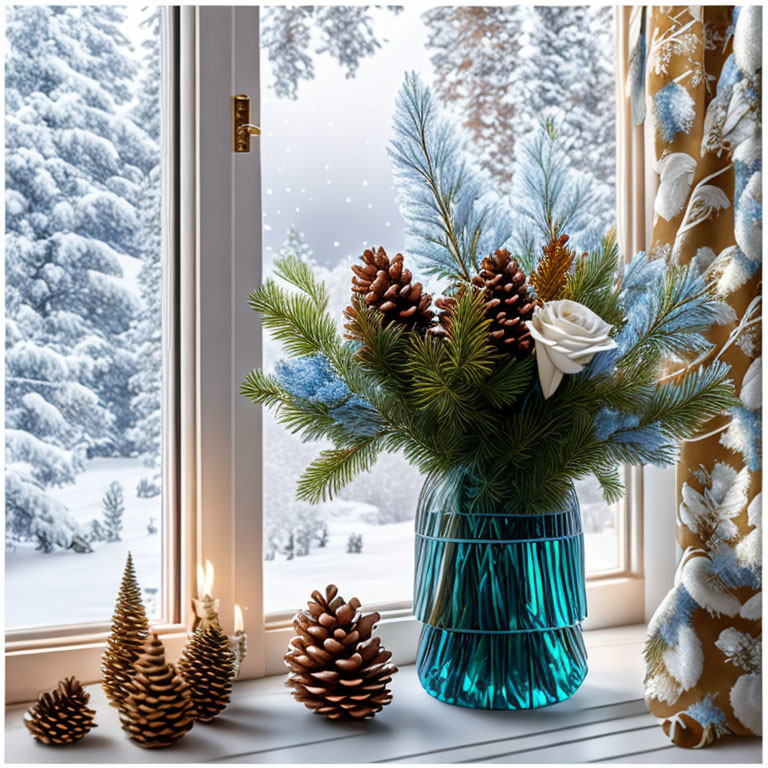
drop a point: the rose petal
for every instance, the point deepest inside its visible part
(549, 376)
(562, 362)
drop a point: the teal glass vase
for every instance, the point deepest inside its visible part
(501, 596)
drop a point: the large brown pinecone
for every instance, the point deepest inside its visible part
(158, 709)
(207, 665)
(129, 631)
(61, 716)
(386, 285)
(507, 303)
(337, 668)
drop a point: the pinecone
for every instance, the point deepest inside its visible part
(507, 303)
(446, 305)
(337, 668)
(61, 716)
(207, 665)
(158, 709)
(387, 286)
(129, 631)
(549, 278)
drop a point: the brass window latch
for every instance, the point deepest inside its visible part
(241, 121)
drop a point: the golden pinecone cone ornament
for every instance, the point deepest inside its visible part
(158, 709)
(507, 303)
(550, 276)
(207, 666)
(129, 631)
(386, 285)
(61, 716)
(337, 668)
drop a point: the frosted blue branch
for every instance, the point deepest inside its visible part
(450, 222)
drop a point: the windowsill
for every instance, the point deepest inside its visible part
(606, 720)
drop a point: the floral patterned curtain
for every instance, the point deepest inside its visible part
(695, 74)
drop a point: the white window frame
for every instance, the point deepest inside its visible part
(220, 446)
(214, 483)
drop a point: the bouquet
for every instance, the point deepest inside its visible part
(541, 363)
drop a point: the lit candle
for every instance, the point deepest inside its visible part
(206, 608)
(237, 641)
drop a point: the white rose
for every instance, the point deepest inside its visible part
(567, 336)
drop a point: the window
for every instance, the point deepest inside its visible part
(329, 81)
(88, 312)
(214, 503)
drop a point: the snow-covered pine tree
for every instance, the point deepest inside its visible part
(290, 35)
(96, 531)
(568, 74)
(113, 505)
(295, 245)
(147, 380)
(505, 69)
(74, 167)
(476, 58)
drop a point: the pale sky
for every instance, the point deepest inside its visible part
(324, 161)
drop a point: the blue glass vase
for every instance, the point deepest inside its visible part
(502, 597)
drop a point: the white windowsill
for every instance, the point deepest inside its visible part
(606, 720)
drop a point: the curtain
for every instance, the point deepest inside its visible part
(694, 77)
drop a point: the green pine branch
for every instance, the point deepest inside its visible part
(295, 320)
(335, 468)
(300, 274)
(593, 282)
(683, 407)
(509, 382)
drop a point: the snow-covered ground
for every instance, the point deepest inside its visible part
(383, 571)
(66, 587)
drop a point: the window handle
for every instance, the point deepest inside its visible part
(242, 126)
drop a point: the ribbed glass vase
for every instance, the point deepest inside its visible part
(502, 597)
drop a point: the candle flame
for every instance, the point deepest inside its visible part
(239, 625)
(205, 579)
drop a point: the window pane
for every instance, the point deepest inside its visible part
(84, 293)
(329, 82)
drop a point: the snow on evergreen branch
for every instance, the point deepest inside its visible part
(450, 220)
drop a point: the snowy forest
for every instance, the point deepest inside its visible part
(84, 272)
(83, 278)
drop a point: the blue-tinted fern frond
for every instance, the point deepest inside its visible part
(641, 274)
(311, 378)
(451, 222)
(358, 418)
(633, 442)
(670, 320)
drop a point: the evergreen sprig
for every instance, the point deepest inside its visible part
(450, 222)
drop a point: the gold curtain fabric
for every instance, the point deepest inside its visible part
(695, 78)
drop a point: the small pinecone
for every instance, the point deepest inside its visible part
(507, 303)
(129, 631)
(158, 709)
(61, 716)
(446, 305)
(387, 286)
(207, 665)
(337, 668)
